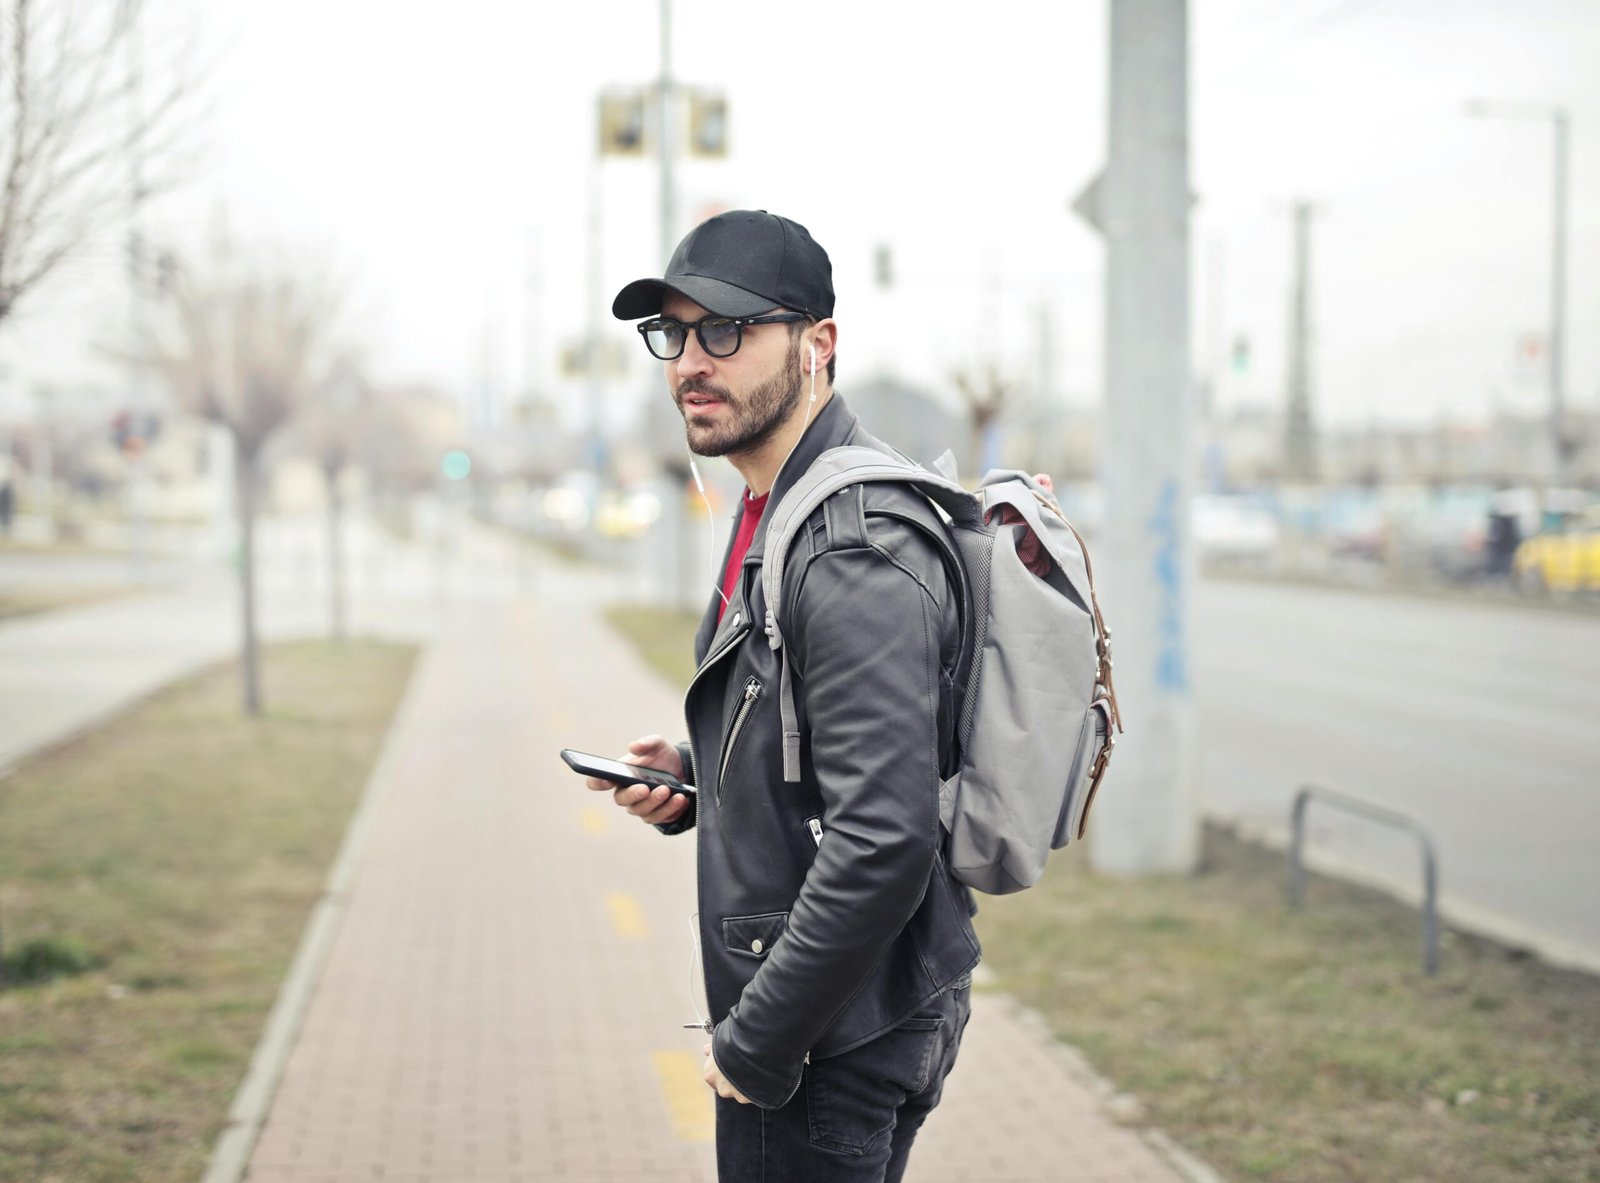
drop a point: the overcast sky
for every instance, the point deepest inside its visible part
(444, 156)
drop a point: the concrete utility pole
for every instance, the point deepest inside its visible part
(1300, 444)
(1146, 817)
(1557, 351)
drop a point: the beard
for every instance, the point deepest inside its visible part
(750, 420)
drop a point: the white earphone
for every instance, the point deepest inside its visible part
(813, 361)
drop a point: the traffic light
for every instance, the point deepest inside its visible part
(1239, 355)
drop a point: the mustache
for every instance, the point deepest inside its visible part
(703, 386)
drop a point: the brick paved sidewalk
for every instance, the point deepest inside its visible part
(504, 995)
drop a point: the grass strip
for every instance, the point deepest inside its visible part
(664, 637)
(181, 848)
(1282, 1044)
(1307, 1045)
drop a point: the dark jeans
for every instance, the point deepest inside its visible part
(855, 1115)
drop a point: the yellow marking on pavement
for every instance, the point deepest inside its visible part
(627, 917)
(594, 820)
(688, 1099)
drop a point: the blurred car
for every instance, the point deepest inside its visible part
(1565, 557)
(1233, 529)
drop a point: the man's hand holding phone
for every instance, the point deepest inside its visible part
(659, 805)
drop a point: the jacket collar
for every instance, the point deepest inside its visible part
(835, 425)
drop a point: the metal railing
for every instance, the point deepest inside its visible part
(1389, 817)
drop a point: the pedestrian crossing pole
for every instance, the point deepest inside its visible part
(1146, 817)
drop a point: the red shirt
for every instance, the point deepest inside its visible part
(748, 521)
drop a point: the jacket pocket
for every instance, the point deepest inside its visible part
(753, 936)
(752, 691)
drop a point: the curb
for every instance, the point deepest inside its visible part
(1077, 1066)
(26, 753)
(230, 1156)
(1469, 596)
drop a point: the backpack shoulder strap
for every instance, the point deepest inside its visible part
(836, 469)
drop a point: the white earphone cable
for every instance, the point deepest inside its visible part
(805, 422)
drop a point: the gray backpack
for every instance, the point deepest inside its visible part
(1037, 709)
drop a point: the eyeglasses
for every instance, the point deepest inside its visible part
(720, 336)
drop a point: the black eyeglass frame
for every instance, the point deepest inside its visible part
(740, 323)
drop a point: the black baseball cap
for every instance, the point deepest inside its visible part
(739, 263)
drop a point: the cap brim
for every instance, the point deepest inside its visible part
(643, 297)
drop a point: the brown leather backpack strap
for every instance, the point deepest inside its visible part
(1102, 634)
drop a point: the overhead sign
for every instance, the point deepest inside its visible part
(1089, 205)
(708, 124)
(622, 123)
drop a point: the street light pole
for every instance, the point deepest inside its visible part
(1558, 264)
(1558, 300)
(669, 196)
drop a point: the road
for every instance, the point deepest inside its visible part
(64, 671)
(1481, 720)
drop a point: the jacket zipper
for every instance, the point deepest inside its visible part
(752, 691)
(814, 824)
(736, 634)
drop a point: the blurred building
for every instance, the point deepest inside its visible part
(1244, 450)
(910, 418)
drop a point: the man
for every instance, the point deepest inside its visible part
(837, 949)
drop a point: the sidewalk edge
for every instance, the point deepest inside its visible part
(230, 1156)
(1077, 1066)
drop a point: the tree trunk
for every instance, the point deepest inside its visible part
(336, 573)
(245, 475)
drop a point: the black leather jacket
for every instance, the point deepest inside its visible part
(827, 915)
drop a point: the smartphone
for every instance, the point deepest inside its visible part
(620, 772)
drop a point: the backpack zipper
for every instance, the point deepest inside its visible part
(752, 691)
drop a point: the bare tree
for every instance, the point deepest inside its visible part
(333, 427)
(83, 139)
(985, 395)
(251, 342)
(405, 432)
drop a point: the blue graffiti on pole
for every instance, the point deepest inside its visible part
(1172, 671)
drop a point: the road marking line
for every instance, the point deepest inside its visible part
(627, 917)
(688, 1099)
(594, 820)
